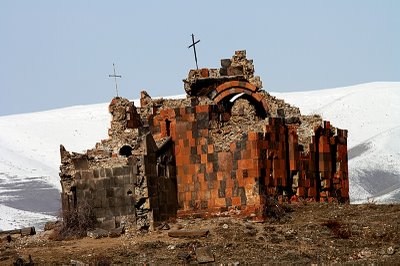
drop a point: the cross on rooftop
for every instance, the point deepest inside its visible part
(194, 49)
(115, 76)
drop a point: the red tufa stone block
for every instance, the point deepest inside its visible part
(293, 165)
(236, 201)
(220, 176)
(188, 196)
(251, 87)
(171, 114)
(214, 193)
(301, 192)
(201, 178)
(198, 149)
(209, 167)
(236, 83)
(223, 95)
(246, 164)
(203, 158)
(185, 159)
(182, 111)
(203, 141)
(345, 193)
(255, 153)
(181, 195)
(220, 202)
(233, 147)
(204, 72)
(294, 199)
(345, 183)
(192, 142)
(189, 117)
(191, 169)
(163, 113)
(210, 148)
(223, 87)
(228, 193)
(307, 182)
(253, 173)
(229, 183)
(265, 104)
(173, 131)
(311, 192)
(202, 109)
(257, 96)
(179, 160)
(324, 194)
(327, 125)
(252, 136)
(239, 178)
(246, 154)
(188, 134)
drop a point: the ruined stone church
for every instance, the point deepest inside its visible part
(225, 149)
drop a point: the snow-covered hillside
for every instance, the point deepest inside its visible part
(29, 146)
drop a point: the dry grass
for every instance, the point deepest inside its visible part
(75, 222)
(338, 228)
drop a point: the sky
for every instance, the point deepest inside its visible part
(56, 54)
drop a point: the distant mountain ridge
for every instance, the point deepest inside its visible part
(29, 143)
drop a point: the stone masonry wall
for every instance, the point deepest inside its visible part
(227, 147)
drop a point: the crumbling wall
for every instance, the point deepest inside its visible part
(114, 176)
(106, 189)
(230, 156)
(226, 147)
(238, 68)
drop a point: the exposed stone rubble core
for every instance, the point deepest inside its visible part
(227, 147)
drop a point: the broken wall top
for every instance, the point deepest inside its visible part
(208, 86)
(200, 82)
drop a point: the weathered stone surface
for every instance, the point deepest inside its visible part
(26, 231)
(226, 148)
(97, 233)
(116, 232)
(51, 225)
(204, 255)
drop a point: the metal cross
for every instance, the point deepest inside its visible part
(194, 49)
(115, 76)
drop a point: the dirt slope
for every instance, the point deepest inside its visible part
(309, 234)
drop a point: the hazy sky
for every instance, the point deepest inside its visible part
(60, 53)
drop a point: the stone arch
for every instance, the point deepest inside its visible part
(229, 89)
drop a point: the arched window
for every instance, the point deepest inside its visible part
(126, 151)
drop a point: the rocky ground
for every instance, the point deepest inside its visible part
(305, 234)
